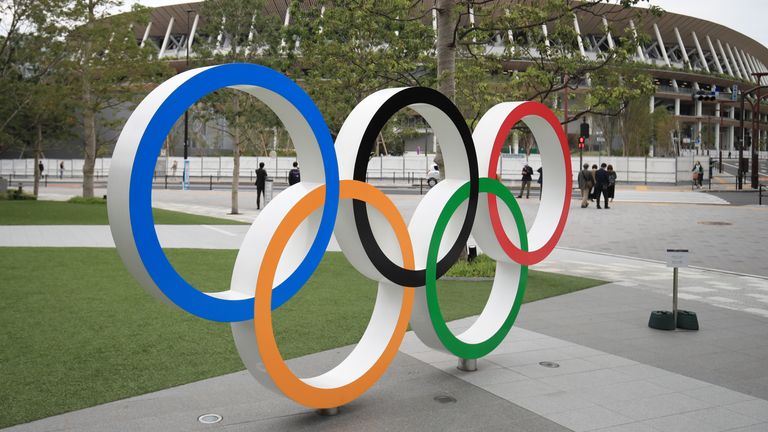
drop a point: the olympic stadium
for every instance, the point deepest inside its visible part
(686, 57)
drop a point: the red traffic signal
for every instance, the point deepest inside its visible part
(581, 142)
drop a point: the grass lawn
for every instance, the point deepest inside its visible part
(68, 213)
(77, 331)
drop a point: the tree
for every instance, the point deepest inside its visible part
(29, 54)
(371, 47)
(636, 128)
(554, 60)
(663, 124)
(107, 67)
(251, 36)
(34, 109)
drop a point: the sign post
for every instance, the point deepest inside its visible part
(666, 320)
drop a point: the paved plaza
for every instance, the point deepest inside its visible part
(615, 374)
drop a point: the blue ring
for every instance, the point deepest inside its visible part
(148, 247)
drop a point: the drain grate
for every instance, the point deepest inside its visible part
(209, 418)
(444, 399)
(715, 223)
(549, 364)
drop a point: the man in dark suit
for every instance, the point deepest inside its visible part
(602, 180)
(261, 182)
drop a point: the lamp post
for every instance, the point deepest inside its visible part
(756, 133)
(185, 179)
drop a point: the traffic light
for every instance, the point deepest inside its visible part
(584, 130)
(705, 95)
(581, 142)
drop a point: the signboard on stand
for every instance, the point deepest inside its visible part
(677, 258)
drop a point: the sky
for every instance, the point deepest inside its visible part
(744, 16)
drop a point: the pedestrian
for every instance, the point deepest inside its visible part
(294, 175)
(40, 168)
(61, 170)
(586, 180)
(173, 168)
(601, 185)
(527, 174)
(593, 192)
(611, 182)
(698, 174)
(261, 183)
(540, 180)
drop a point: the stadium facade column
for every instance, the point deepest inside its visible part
(683, 51)
(166, 38)
(662, 47)
(608, 34)
(739, 72)
(731, 129)
(640, 53)
(717, 126)
(725, 59)
(699, 113)
(714, 55)
(699, 51)
(746, 66)
(146, 34)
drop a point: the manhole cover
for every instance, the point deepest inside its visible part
(716, 223)
(209, 418)
(549, 364)
(445, 399)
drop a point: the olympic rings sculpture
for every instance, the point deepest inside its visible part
(289, 237)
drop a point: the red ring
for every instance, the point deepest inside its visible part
(517, 114)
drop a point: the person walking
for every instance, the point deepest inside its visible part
(527, 174)
(601, 185)
(698, 174)
(611, 182)
(61, 170)
(586, 180)
(294, 175)
(593, 192)
(540, 180)
(261, 183)
(40, 168)
(173, 168)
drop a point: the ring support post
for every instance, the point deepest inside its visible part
(467, 365)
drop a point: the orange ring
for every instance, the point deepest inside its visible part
(292, 386)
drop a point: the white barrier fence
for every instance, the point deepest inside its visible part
(408, 168)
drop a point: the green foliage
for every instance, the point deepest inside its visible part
(663, 123)
(111, 340)
(16, 195)
(371, 48)
(91, 200)
(481, 266)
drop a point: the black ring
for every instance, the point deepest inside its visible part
(410, 96)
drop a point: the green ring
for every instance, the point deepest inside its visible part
(449, 340)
